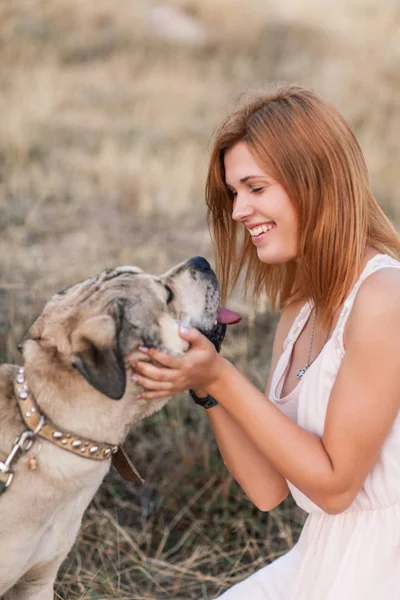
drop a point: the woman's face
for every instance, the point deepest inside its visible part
(262, 206)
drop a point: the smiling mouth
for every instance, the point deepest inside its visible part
(260, 230)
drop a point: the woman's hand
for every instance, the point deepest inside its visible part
(196, 369)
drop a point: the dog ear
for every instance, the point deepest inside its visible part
(97, 356)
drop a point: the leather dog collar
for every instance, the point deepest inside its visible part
(38, 423)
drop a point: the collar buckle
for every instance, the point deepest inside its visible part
(22, 444)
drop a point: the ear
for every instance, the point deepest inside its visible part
(96, 355)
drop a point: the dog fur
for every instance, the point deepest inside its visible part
(77, 359)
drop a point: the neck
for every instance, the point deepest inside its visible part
(73, 405)
(38, 424)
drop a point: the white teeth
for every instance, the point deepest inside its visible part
(260, 229)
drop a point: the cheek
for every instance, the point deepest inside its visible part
(293, 228)
(289, 211)
(294, 221)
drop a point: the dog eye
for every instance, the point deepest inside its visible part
(170, 296)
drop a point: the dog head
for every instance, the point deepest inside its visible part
(93, 328)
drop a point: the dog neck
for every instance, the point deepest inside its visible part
(71, 402)
(40, 425)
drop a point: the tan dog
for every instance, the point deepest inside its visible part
(77, 364)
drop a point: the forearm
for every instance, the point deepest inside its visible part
(298, 455)
(265, 487)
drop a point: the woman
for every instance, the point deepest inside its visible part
(287, 180)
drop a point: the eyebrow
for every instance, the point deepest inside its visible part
(245, 179)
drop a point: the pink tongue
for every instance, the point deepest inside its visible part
(227, 316)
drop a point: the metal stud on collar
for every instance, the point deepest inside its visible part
(63, 439)
(39, 425)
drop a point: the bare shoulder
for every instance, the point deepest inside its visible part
(376, 307)
(382, 281)
(379, 294)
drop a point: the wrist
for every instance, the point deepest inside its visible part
(202, 396)
(200, 392)
(215, 373)
(218, 379)
(205, 402)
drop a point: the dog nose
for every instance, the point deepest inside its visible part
(200, 263)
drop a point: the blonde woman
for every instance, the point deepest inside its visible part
(289, 202)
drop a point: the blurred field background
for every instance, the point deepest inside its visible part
(106, 112)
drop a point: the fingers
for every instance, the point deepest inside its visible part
(150, 384)
(153, 386)
(157, 382)
(167, 360)
(150, 371)
(192, 335)
(173, 374)
(154, 395)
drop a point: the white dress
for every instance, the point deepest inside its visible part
(354, 555)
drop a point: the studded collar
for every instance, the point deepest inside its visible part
(39, 425)
(44, 428)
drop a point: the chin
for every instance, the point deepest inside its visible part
(274, 257)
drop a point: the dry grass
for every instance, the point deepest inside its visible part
(188, 533)
(104, 130)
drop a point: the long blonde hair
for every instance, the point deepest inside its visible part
(305, 144)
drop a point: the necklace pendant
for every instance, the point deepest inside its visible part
(301, 372)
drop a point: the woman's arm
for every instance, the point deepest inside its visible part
(265, 487)
(363, 405)
(262, 483)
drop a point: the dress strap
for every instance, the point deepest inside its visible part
(297, 325)
(379, 261)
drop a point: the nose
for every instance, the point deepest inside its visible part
(241, 208)
(200, 263)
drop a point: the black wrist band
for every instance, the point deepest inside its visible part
(207, 402)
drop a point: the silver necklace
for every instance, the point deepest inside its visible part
(301, 372)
